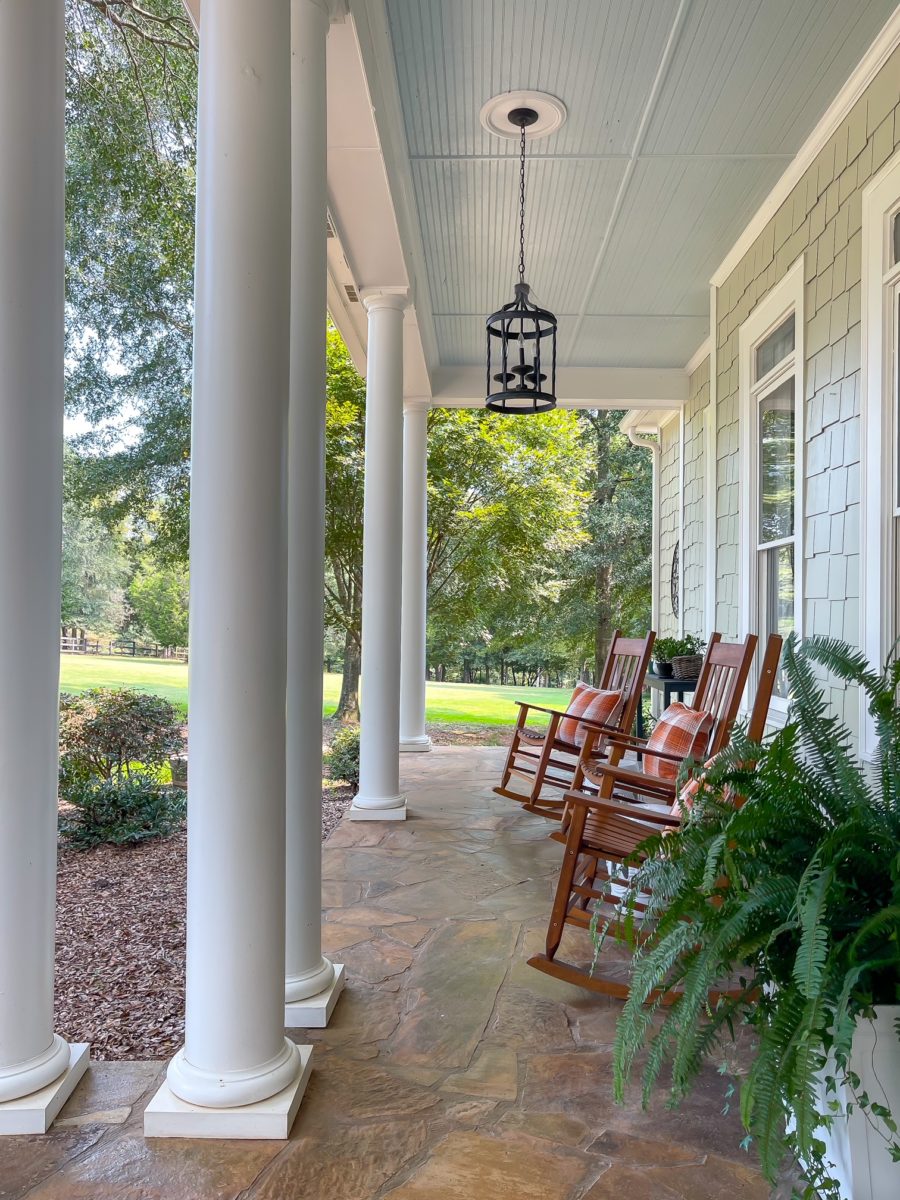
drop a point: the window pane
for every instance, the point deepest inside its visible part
(895, 238)
(774, 348)
(776, 464)
(776, 579)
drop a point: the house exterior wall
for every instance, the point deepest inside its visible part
(821, 219)
(669, 519)
(693, 556)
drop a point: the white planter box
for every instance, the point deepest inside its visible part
(855, 1145)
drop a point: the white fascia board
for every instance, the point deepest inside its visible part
(647, 420)
(700, 355)
(872, 62)
(372, 38)
(577, 387)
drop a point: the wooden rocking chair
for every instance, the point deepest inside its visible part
(552, 758)
(607, 828)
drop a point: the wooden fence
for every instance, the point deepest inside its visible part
(121, 646)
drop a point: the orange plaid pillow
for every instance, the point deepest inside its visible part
(591, 703)
(681, 731)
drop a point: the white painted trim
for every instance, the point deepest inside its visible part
(702, 352)
(665, 419)
(576, 387)
(878, 198)
(710, 451)
(869, 66)
(372, 26)
(785, 297)
(654, 445)
(681, 523)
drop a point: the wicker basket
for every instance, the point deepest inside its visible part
(687, 666)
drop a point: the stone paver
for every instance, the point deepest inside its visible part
(451, 1070)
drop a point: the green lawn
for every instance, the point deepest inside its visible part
(450, 702)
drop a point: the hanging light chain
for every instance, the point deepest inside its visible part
(522, 205)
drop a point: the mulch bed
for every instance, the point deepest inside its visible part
(120, 929)
(120, 942)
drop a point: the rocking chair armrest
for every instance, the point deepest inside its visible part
(638, 780)
(554, 712)
(618, 808)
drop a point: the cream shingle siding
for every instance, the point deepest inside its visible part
(669, 516)
(821, 219)
(694, 551)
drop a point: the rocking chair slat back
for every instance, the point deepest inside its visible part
(547, 762)
(624, 670)
(720, 686)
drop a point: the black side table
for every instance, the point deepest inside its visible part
(667, 688)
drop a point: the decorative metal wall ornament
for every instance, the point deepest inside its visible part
(521, 338)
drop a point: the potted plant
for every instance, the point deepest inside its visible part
(667, 652)
(794, 895)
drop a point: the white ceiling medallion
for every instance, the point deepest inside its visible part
(551, 113)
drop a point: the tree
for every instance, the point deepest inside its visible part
(94, 570)
(610, 584)
(130, 116)
(158, 595)
(345, 444)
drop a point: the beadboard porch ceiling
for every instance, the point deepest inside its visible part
(683, 115)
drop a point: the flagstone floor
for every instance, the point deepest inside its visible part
(451, 1070)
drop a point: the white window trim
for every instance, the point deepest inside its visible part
(681, 555)
(710, 450)
(879, 436)
(783, 299)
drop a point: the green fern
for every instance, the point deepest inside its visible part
(805, 876)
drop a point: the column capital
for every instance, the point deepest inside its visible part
(375, 298)
(416, 404)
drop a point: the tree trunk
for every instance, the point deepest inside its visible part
(603, 628)
(348, 705)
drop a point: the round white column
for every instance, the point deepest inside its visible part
(415, 575)
(32, 74)
(307, 972)
(379, 782)
(235, 1051)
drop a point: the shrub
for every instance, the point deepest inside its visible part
(107, 733)
(343, 759)
(123, 810)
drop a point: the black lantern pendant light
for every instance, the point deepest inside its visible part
(521, 338)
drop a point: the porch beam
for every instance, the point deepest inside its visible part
(413, 737)
(312, 984)
(38, 1069)
(379, 796)
(577, 387)
(237, 1074)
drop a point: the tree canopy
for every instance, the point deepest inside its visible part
(539, 527)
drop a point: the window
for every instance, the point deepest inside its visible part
(880, 408)
(771, 381)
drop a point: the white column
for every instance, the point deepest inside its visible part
(379, 796)
(415, 568)
(235, 1052)
(311, 985)
(32, 74)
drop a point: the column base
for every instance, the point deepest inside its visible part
(314, 1012)
(168, 1116)
(36, 1112)
(361, 813)
(415, 745)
